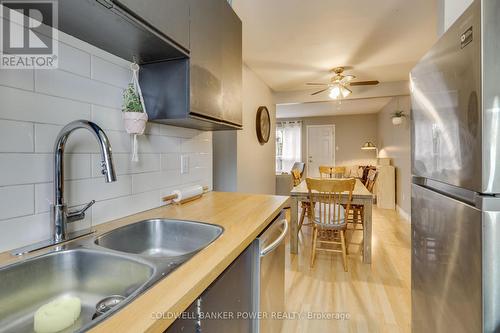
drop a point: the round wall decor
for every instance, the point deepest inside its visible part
(263, 125)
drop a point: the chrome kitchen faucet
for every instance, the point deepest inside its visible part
(59, 214)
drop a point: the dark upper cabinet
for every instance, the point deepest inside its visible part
(169, 17)
(216, 61)
(205, 61)
(114, 28)
(232, 66)
(208, 97)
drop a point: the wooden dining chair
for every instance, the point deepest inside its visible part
(329, 216)
(305, 206)
(331, 171)
(357, 212)
(296, 176)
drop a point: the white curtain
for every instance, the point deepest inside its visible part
(291, 149)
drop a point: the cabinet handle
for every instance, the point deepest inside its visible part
(277, 241)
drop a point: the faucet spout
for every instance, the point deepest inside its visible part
(59, 209)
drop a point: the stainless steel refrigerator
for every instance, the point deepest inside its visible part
(455, 96)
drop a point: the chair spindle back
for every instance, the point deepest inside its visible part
(327, 194)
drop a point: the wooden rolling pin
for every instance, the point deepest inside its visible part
(186, 195)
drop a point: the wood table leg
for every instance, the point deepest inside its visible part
(294, 230)
(367, 232)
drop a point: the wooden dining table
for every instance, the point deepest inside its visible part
(360, 196)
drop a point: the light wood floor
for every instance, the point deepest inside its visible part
(377, 297)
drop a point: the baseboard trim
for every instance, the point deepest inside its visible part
(403, 214)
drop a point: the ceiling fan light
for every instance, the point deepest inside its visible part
(345, 91)
(335, 92)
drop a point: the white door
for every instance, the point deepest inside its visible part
(320, 148)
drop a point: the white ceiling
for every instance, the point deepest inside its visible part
(290, 42)
(333, 108)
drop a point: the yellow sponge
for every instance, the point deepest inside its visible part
(57, 314)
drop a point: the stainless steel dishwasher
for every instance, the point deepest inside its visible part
(253, 285)
(270, 272)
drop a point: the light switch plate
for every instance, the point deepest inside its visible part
(184, 164)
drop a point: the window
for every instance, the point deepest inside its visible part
(288, 145)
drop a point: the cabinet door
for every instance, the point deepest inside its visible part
(171, 17)
(206, 58)
(232, 66)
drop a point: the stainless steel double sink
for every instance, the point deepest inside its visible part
(125, 261)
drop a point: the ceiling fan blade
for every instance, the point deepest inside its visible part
(319, 92)
(347, 78)
(316, 84)
(364, 83)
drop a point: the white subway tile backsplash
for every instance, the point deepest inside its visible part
(108, 118)
(43, 197)
(154, 129)
(24, 231)
(179, 132)
(123, 164)
(80, 141)
(170, 161)
(108, 210)
(196, 176)
(80, 192)
(16, 201)
(159, 144)
(18, 169)
(74, 60)
(17, 78)
(29, 106)
(110, 73)
(16, 137)
(145, 182)
(88, 85)
(55, 82)
(201, 160)
(196, 145)
(80, 44)
(76, 166)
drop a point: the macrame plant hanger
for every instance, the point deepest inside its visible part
(135, 122)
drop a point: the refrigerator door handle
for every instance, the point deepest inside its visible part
(277, 241)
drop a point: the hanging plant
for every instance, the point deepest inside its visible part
(131, 101)
(134, 110)
(397, 117)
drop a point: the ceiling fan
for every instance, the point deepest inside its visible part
(339, 83)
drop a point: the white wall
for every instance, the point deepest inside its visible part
(351, 132)
(449, 11)
(241, 163)
(88, 85)
(256, 162)
(394, 142)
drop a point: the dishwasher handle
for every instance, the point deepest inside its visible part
(277, 241)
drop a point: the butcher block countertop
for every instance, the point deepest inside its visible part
(243, 217)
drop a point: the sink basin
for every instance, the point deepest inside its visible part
(87, 274)
(161, 238)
